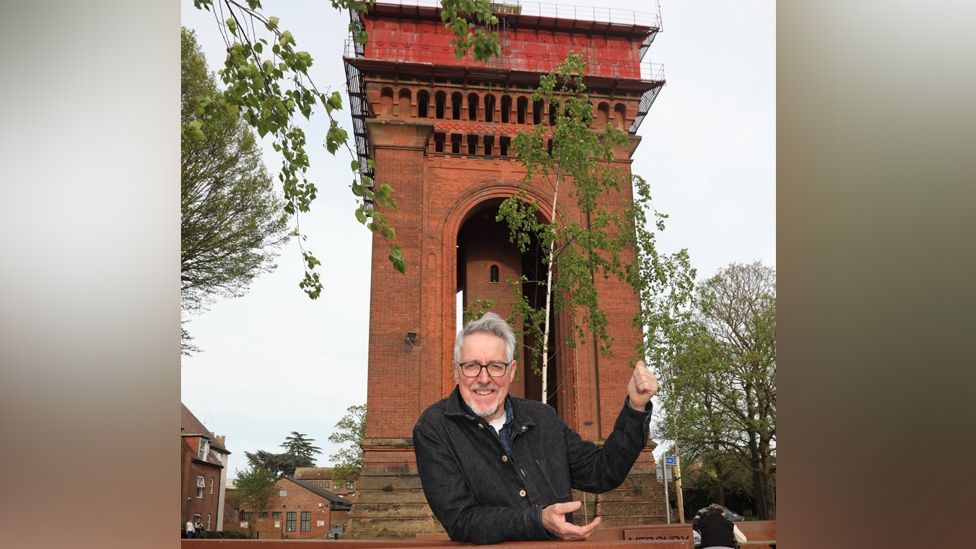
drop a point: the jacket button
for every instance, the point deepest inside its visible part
(504, 458)
(522, 493)
(524, 427)
(481, 425)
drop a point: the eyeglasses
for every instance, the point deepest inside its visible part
(473, 369)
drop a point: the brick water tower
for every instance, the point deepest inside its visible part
(439, 130)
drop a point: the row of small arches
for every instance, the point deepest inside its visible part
(474, 145)
(454, 107)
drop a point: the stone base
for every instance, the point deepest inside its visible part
(638, 501)
(391, 502)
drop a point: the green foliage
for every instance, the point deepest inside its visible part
(300, 446)
(595, 240)
(477, 309)
(350, 430)
(299, 452)
(231, 217)
(267, 80)
(255, 486)
(720, 385)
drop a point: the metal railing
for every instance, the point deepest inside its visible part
(597, 65)
(559, 11)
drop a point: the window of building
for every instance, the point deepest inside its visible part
(282, 493)
(202, 448)
(438, 147)
(506, 108)
(489, 145)
(423, 99)
(537, 112)
(493, 277)
(349, 485)
(455, 143)
(211, 484)
(263, 514)
(489, 108)
(208, 521)
(521, 106)
(201, 484)
(456, 105)
(472, 144)
(440, 98)
(503, 144)
(276, 515)
(472, 106)
(290, 522)
(306, 521)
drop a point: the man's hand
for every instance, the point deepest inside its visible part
(554, 520)
(642, 386)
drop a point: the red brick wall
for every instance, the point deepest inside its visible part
(190, 504)
(298, 499)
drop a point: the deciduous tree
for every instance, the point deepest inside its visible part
(232, 222)
(350, 430)
(720, 384)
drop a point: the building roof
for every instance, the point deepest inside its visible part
(313, 473)
(337, 500)
(190, 426)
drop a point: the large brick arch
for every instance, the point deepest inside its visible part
(469, 203)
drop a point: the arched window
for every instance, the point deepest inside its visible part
(506, 108)
(537, 108)
(404, 102)
(456, 105)
(489, 108)
(440, 98)
(553, 112)
(472, 106)
(521, 106)
(619, 115)
(386, 102)
(493, 274)
(602, 116)
(423, 100)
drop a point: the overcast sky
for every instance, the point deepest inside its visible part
(274, 361)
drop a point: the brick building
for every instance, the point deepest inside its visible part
(298, 510)
(439, 129)
(322, 477)
(203, 473)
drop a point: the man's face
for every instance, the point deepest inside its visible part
(484, 394)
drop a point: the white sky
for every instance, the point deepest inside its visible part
(274, 361)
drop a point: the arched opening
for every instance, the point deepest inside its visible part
(403, 102)
(423, 101)
(483, 246)
(506, 108)
(456, 105)
(489, 108)
(553, 112)
(439, 99)
(619, 115)
(521, 107)
(472, 106)
(602, 116)
(386, 103)
(537, 108)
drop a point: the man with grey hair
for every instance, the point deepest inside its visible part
(496, 467)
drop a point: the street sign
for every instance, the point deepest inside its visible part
(670, 460)
(663, 472)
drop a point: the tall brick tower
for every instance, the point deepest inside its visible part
(439, 130)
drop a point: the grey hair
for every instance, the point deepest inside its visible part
(492, 324)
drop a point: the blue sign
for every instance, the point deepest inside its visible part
(670, 460)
